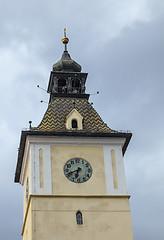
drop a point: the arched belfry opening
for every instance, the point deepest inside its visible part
(76, 86)
(79, 218)
(62, 87)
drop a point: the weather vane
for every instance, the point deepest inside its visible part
(65, 40)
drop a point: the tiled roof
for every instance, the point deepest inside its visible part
(59, 108)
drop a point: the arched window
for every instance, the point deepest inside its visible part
(74, 123)
(76, 86)
(79, 218)
(62, 88)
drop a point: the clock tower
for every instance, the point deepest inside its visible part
(71, 166)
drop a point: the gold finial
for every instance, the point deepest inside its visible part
(65, 40)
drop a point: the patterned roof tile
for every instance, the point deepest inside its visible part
(59, 108)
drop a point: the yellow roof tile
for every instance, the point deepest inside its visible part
(59, 108)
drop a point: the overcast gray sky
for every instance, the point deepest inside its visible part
(121, 45)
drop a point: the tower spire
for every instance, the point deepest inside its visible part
(65, 40)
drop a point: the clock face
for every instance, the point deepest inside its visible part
(78, 170)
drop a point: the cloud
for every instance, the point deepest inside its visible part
(120, 44)
(129, 75)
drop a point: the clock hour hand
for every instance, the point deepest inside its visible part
(76, 175)
(77, 172)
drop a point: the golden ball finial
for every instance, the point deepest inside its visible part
(65, 40)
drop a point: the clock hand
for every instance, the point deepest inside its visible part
(70, 173)
(77, 170)
(77, 174)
